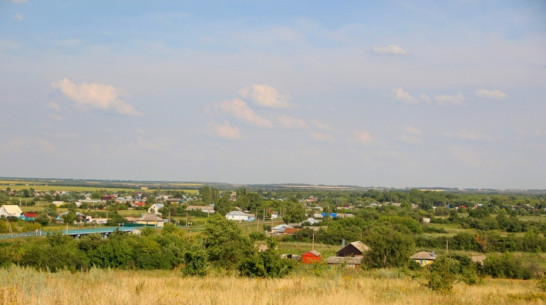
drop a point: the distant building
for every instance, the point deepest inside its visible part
(154, 209)
(237, 215)
(423, 258)
(354, 249)
(310, 257)
(205, 209)
(10, 211)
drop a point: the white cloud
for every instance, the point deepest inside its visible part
(403, 96)
(409, 139)
(321, 125)
(14, 145)
(240, 110)
(290, 122)
(322, 137)
(53, 106)
(467, 156)
(61, 136)
(450, 99)
(362, 137)
(94, 96)
(225, 131)
(19, 17)
(390, 49)
(425, 98)
(468, 135)
(413, 130)
(55, 117)
(491, 94)
(264, 96)
(412, 135)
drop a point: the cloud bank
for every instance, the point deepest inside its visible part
(264, 96)
(89, 96)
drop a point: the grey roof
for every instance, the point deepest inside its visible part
(360, 246)
(236, 213)
(338, 260)
(314, 252)
(159, 205)
(424, 255)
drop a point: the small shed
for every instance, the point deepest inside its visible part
(29, 216)
(423, 258)
(354, 249)
(310, 257)
(348, 262)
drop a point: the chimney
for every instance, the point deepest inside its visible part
(343, 243)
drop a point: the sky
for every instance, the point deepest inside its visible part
(367, 93)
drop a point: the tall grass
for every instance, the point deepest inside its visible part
(27, 286)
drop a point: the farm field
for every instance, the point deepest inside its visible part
(27, 286)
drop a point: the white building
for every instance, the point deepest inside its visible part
(154, 209)
(10, 211)
(237, 215)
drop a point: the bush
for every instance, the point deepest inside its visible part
(196, 262)
(505, 266)
(443, 273)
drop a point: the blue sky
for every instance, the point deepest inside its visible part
(383, 93)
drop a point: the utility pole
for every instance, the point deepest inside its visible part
(313, 244)
(447, 246)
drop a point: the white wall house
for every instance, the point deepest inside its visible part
(10, 211)
(154, 209)
(237, 215)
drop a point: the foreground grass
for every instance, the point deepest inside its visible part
(27, 286)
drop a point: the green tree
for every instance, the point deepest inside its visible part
(224, 242)
(442, 274)
(388, 247)
(295, 212)
(196, 262)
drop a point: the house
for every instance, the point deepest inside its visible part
(154, 209)
(354, 249)
(291, 231)
(9, 210)
(311, 221)
(423, 258)
(138, 204)
(205, 209)
(280, 229)
(237, 215)
(310, 257)
(29, 216)
(58, 203)
(349, 262)
(151, 219)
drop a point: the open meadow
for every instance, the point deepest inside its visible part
(27, 286)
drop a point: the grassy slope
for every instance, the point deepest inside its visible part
(26, 286)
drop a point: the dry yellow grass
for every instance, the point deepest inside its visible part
(26, 286)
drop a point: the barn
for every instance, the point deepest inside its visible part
(310, 257)
(354, 249)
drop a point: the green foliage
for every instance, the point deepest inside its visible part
(388, 247)
(254, 236)
(295, 212)
(196, 262)
(267, 264)
(443, 273)
(224, 242)
(506, 266)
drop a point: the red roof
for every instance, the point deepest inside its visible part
(290, 230)
(31, 214)
(140, 203)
